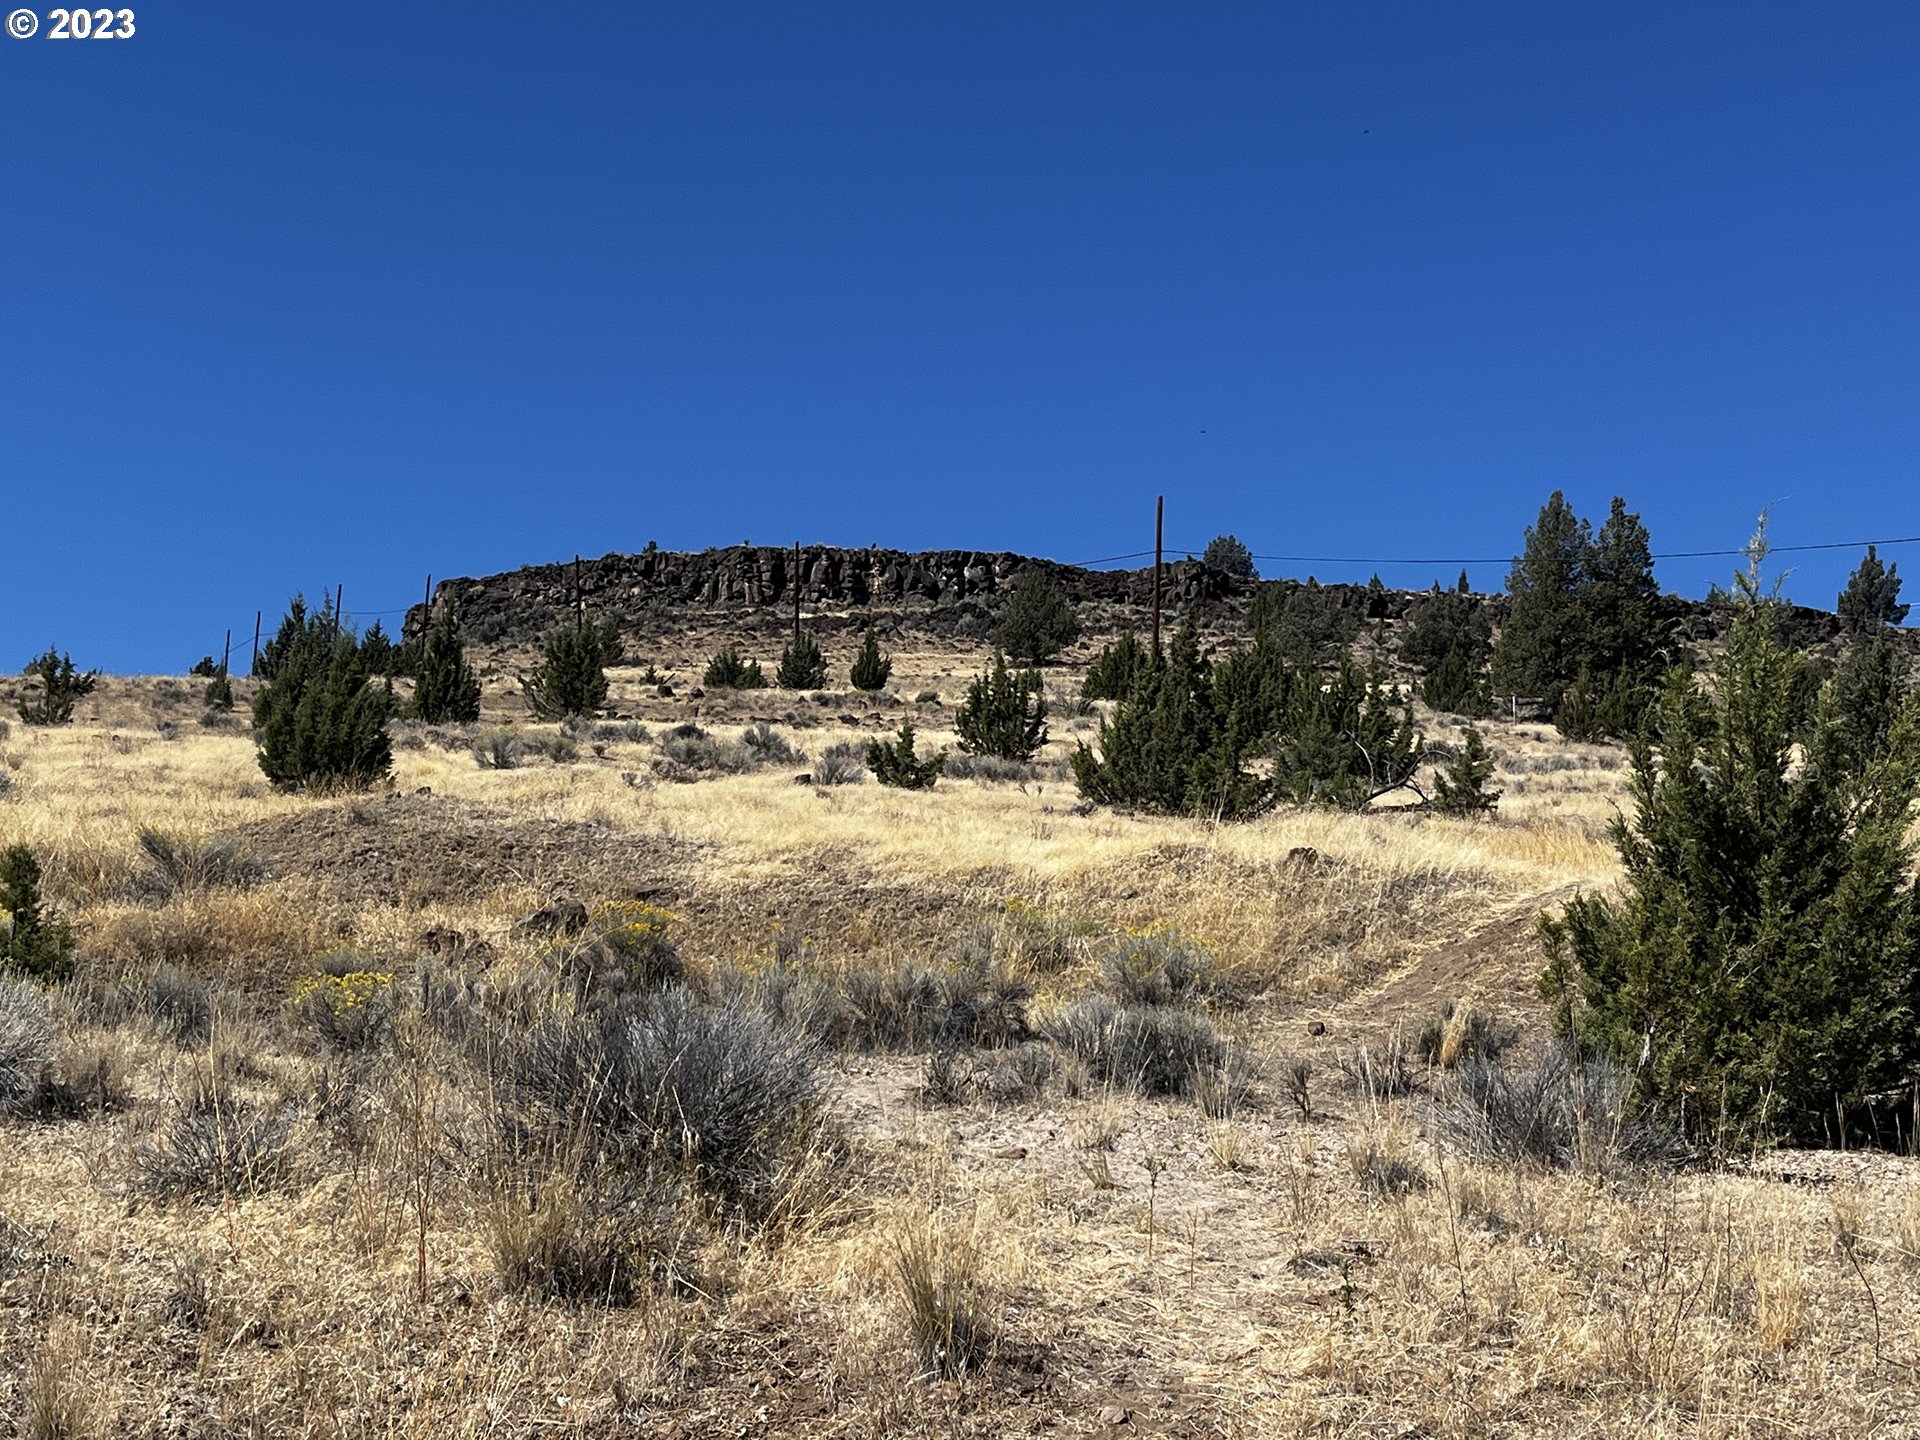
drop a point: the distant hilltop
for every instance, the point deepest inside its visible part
(938, 592)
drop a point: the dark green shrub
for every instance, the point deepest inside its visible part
(802, 666)
(1004, 714)
(1449, 642)
(446, 691)
(1461, 789)
(219, 693)
(60, 686)
(728, 671)
(1304, 620)
(1760, 969)
(1345, 742)
(871, 669)
(320, 719)
(1040, 622)
(1116, 669)
(1170, 747)
(571, 678)
(32, 944)
(1871, 600)
(378, 650)
(894, 763)
(205, 667)
(1226, 553)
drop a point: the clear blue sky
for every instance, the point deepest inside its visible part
(300, 294)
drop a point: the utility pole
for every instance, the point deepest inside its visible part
(1159, 511)
(226, 654)
(339, 608)
(254, 667)
(427, 599)
(796, 592)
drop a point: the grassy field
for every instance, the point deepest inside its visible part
(253, 1202)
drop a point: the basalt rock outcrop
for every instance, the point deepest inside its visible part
(936, 592)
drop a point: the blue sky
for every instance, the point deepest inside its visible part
(299, 295)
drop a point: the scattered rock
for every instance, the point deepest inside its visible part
(1316, 1028)
(1115, 1415)
(803, 779)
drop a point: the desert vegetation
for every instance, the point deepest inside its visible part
(614, 1053)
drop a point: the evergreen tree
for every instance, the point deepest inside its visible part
(445, 690)
(60, 687)
(1345, 743)
(320, 719)
(31, 945)
(728, 671)
(1004, 714)
(1225, 553)
(219, 693)
(204, 667)
(1170, 747)
(1449, 641)
(1872, 597)
(378, 649)
(1760, 970)
(871, 669)
(802, 666)
(1543, 638)
(292, 631)
(1304, 620)
(896, 764)
(1116, 669)
(571, 678)
(1461, 789)
(1040, 621)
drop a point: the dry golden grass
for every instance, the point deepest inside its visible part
(1094, 1255)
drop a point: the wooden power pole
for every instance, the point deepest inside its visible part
(1159, 511)
(796, 592)
(254, 667)
(226, 654)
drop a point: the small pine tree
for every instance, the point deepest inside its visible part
(378, 649)
(871, 669)
(1116, 669)
(219, 693)
(1004, 714)
(728, 671)
(1171, 747)
(1448, 641)
(32, 945)
(60, 686)
(1872, 596)
(1040, 621)
(895, 763)
(320, 719)
(1461, 789)
(1543, 637)
(1225, 553)
(1345, 742)
(571, 678)
(204, 667)
(1304, 620)
(1761, 969)
(292, 632)
(802, 666)
(446, 690)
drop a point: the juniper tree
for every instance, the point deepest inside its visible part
(1542, 639)
(61, 685)
(1304, 619)
(1040, 622)
(219, 693)
(445, 689)
(1449, 641)
(293, 629)
(802, 666)
(1345, 742)
(1872, 596)
(1004, 714)
(871, 669)
(895, 763)
(1461, 789)
(571, 678)
(321, 720)
(1760, 968)
(31, 945)
(378, 649)
(728, 671)
(1170, 747)
(1116, 669)
(1225, 553)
